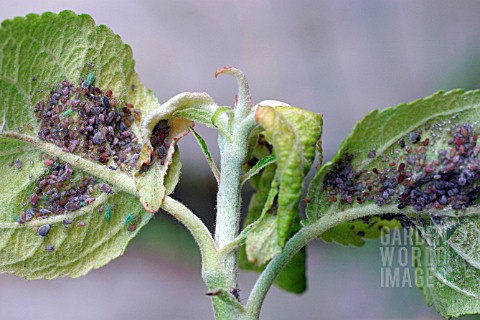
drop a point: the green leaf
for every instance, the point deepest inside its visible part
(414, 165)
(156, 159)
(161, 130)
(67, 172)
(206, 153)
(261, 245)
(194, 106)
(447, 271)
(259, 166)
(220, 111)
(378, 162)
(173, 173)
(294, 134)
(292, 278)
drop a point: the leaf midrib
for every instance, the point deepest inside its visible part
(116, 178)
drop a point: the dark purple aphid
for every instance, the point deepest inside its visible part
(43, 211)
(162, 151)
(43, 230)
(105, 102)
(49, 248)
(414, 137)
(29, 215)
(236, 293)
(106, 188)
(99, 138)
(34, 199)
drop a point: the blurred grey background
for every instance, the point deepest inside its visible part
(342, 58)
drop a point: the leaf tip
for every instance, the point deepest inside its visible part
(223, 70)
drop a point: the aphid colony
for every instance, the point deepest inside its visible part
(59, 190)
(160, 144)
(159, 140)
(406, 177)
(87, 121)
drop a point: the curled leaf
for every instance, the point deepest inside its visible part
(156, 158)
(161, 129)
(292, 278)
(294, 134)
(290, 134)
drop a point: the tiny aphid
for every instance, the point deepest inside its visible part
(43, 230)
(414, 137)
(99, 138)
(129, 218)
(108, 212)
(67, 112)
(105, 102)
(90, 78)
(49, 248)
(29, 215)
(106, 188)
(235, 292)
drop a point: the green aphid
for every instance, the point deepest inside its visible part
(67, 112)
(90, 78)
(108, 212)
(129, 218)
(15, 217)
(83, 203)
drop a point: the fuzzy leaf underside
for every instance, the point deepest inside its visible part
(380, 132)
(36, 54)
(414, 165)
(448, 277)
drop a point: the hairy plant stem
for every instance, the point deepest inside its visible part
(308, 233)
(196, 227)
(233, 151)
(212, 271)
